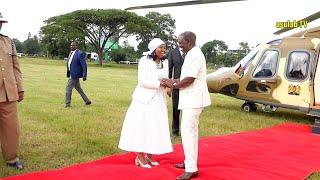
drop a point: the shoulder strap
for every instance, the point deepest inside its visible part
(12, 46)
(12, 49)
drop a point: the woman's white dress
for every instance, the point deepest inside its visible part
(145, 127)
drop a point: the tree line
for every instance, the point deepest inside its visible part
(31, 46)
(92, 29)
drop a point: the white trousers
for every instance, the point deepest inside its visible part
(190, 136)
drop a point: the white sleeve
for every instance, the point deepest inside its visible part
(143, 74)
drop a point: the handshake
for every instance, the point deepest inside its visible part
(167, 82)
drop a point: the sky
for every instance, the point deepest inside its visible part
(252, 21)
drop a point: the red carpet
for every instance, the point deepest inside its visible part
(287, 151)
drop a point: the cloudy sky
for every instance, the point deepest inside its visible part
(250, 21)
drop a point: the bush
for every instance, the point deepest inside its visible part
(118, 55)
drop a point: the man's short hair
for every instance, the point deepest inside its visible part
(74, 42)
(189, 36)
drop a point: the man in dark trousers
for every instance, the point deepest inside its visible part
(176, 59)
(76, 68)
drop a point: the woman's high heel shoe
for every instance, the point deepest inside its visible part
(139, 163)
(153, 163)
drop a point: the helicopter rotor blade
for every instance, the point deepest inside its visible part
(182, 3)
(310, 18)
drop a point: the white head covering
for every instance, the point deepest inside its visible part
(2, 20)
(153, 45)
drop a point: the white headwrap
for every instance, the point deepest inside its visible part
(153, 45)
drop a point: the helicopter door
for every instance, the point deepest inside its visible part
(317, 81)
(295, 89)
(261, 85)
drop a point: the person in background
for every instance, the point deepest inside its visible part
(11, 91)
(175, 58)
(76, 68)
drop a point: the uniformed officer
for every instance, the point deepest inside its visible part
(11, 91)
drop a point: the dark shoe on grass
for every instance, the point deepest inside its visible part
(17, 165)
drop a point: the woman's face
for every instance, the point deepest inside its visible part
(160, 51)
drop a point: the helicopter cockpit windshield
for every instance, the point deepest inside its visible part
(242, 65)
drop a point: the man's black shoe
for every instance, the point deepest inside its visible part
(187, 175)
(17, 165)
(88, 103)
(67, 106)
(179, 166)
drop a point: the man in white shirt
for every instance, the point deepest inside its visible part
(194, 96)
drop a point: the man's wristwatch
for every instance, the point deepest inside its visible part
(174, 85)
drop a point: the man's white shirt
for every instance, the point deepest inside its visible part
(181, 52)
(195, 95)
(70, 59)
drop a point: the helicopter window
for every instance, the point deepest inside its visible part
(267, 65)
(298, 64)
(247, 59)
(275, 42)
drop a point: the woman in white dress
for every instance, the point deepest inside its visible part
(145, 128)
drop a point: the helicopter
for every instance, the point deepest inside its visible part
(281, 73)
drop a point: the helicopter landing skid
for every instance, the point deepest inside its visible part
(249, 106)
(269, 108)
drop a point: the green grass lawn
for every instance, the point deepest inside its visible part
(54, 137)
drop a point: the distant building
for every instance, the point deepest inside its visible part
(92, 56)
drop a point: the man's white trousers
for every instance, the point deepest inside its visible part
(190, 136)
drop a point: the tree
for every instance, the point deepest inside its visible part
(124, 53)
(118, 55)
(31, 46)
(57, 39)
(230, 59)
(243, 50)
(131, 54)
(100, 25)
(214, 51)
(18, 44)
(164, 29)
(29, 35)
